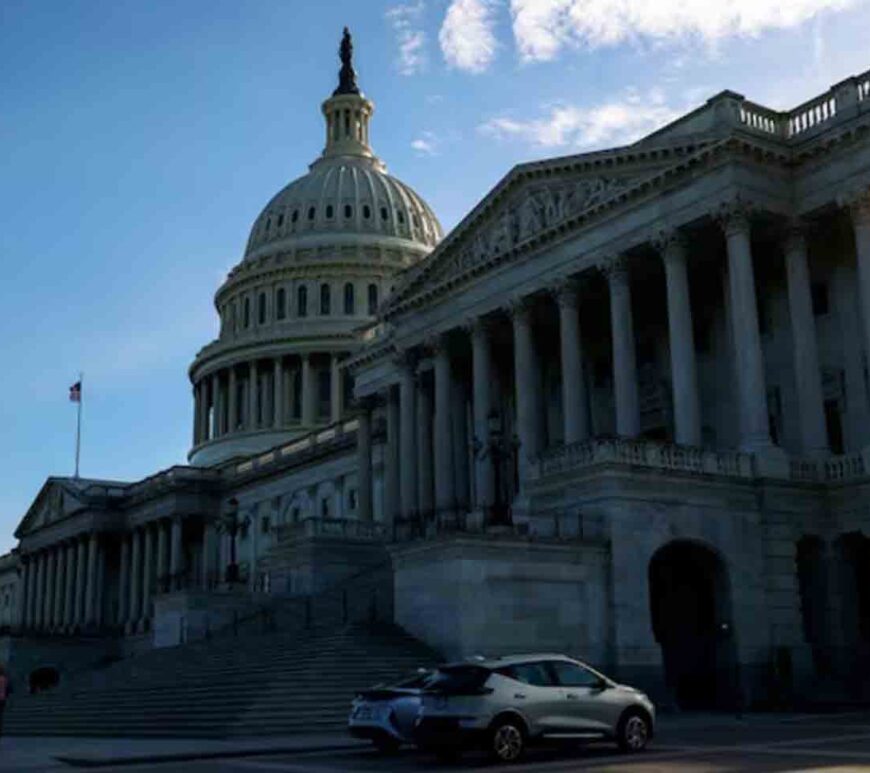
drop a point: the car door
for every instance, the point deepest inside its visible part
(585, 703)
(529, 687)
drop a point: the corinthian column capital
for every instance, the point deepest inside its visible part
(614, 268)
(565, 292)
(519, 307)
(733, 215)
(857, 201)
(669, 242)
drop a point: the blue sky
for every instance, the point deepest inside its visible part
(141, 139)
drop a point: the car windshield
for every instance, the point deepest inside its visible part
(457, 679)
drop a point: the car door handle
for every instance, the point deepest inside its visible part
(519, 695)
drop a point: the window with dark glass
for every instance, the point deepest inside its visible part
(311, 213)
(373, 299)
(573, 675)
(261, 309)
(302, 302)
(529, 673)
(325, 299)
(384, 214)
(348, 299)
(280, 220)
(281, 303)
(367, 211)
(295, 216)
(247, 314)
(348, 210)
(329, 211)
(820, 298)
(400, 216)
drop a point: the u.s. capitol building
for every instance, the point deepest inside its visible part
(622, 410)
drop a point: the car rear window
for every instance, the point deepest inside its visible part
(458, 680)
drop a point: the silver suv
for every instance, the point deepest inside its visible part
(506, 703)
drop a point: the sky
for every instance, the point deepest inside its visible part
(139, 141)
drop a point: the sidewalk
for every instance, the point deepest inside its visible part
(25, 753)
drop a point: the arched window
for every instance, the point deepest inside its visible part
(261, 309)
(281, 303)
(373, 299)
(311, 213)
(367, 211)
(348, 299)
(302, 302)
(348, 210)
(295, 216)
(384, 213)
(280, 220)
(325, 299)
(329, 211)
(247, 314)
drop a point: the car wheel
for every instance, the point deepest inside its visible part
(634, 732)
(386, 745)
(507, 740)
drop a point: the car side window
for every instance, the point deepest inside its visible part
(530, 673)
(573, 675)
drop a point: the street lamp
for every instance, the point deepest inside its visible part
(500, 450)
(228, 524)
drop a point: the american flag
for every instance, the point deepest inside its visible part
(75, 392)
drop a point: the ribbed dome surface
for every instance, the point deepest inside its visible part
(345, 195)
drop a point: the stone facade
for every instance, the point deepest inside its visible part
(622, 411)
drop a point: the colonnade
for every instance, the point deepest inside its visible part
(266, 393)
(403, 476)
(61, 585)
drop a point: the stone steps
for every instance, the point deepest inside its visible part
(264, 684)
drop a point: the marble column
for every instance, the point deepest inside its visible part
(24, 592)
(482, 373)
(81, 566)
(425, 474)
(216, 405)
(233, 400)
(70, 586)
(525, 380)
(391, 457)
(148, 573)
(460, 451)
(624, 357)
(50, 573)
(309, 392)
(749, 364)
(162, 550)
(91, 581)
(808, 378)
(364, 462)
(208, 555)
(197, 424)
(175, 557)
(278, 392)
(253, 396)
(59, 588)
(124, 583)
(336, 389)
(859, 206)
(135, 604)
(40, 590)
(408, 440)
(445, 496)
(681, 340)
(574, 411)
(204, 434)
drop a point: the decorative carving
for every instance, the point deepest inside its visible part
(519, 308)
(734, 215)
(565, 292)
(614, 268)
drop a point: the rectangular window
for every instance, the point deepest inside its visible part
(820, 298)
(834, 423)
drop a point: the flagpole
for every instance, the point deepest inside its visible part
(79, 424)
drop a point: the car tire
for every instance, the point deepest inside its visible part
(634, 732)
(386, 745)
(507, 740)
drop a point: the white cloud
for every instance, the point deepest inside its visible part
(616, 122)
(543, 27)
(406, 20)
(467, 35)
(426, 144)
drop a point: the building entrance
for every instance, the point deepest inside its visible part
(690, 606)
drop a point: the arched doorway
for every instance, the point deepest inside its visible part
(691, 618)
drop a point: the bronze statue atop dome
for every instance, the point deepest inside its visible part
(347, 75)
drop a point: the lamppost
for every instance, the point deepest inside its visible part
(500, 450)
(229, 524)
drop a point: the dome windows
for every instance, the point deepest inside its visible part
(348, 211)
(280, 220)
(302, 301)
(400, 216)
(329, 212)
(268, 224)
(295, 216)
(325, 299)
(373, 299)
(246, 316)
(261, 309)
(311, 212)
(349, 300)
(385, 215)
(367, 212)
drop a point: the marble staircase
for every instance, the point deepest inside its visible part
(266, 684)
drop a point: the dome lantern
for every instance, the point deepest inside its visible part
(347, 111)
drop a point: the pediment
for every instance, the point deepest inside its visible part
(531, 200)
(54, 503)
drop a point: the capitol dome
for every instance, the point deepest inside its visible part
(321, 258)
